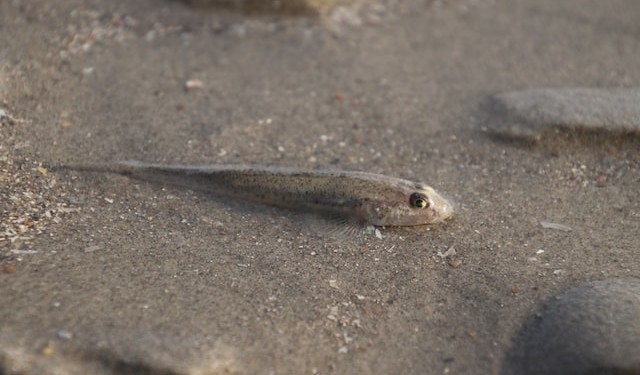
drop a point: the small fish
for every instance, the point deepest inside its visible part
(355, 197)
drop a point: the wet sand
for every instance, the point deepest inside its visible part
(102, 274)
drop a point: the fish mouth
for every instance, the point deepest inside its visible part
(445, 210)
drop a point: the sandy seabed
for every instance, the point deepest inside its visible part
(106, 275)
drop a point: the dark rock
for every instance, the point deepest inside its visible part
(529, 113)
(591, 329)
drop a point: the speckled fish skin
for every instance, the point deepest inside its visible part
(368, 198)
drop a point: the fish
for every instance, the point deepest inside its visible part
(354, 198)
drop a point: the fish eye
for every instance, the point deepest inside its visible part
(418, 200)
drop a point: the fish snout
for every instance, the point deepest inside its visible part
(443, 208)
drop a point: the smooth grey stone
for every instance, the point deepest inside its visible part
(530, 113)
(591, 329)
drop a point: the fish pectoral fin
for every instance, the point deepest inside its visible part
(336, 225)
(345, 226)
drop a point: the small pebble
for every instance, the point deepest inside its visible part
(24, 252)
(193, 84)
(455, 263)
(556, 226)
(64, 335)
(601, 180)
(8, 268)
(451, 251)
(65, 120)
(92, 248)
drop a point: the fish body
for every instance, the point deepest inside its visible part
(367, 198)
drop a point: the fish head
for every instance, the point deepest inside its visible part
(413, 204)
